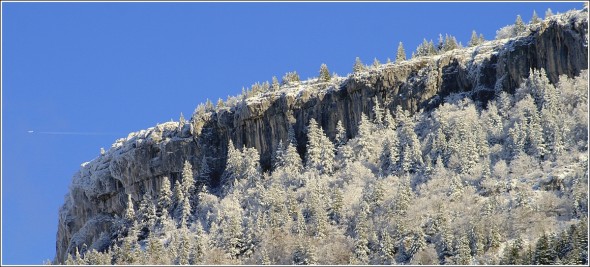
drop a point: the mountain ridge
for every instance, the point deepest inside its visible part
(136, 164)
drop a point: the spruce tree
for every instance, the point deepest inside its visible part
(376, 63)
(474, 41)
(358, 66)
(275, 83)
(535, 18)
(324, 73)
(188, 180)
(129, 211)
(548, 13)
(401, 53)
(519, 26)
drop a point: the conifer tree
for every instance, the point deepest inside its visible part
(548, 13)
(378, 112)
(358, 66)
(324, 73)
(275, 83)
(340, 135)
(147, 212)
(129, 211)
(188, 180)
(320, 150)
(474, 41)
(519, 26)
(292, 160)
(535, 18)
(204, 172)
(376, 63)
(401, 53)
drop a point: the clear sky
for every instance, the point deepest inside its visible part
(107, 69)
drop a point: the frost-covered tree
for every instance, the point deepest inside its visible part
(390, 156)
(358, 66)
(324, 73)
(519, 26)
(164, 198)
(377, 112)
(401, 53)
(341, 137)
(535, 18)
(146, 214)
(275, 83)
(129, 211)
(475, 40)
(204, 171)
(188, 180)
(376, 63)
(548, 13)
(292, 160)
(320, 150)
(425, 49)
(366, 147)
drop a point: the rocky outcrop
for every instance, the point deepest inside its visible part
(136, 164)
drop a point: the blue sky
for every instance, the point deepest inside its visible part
(114, 68)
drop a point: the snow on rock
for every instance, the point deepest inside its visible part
(137, 163)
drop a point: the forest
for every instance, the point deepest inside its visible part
(504, 183)
(497, 182)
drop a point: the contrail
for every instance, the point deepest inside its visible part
(74, 133)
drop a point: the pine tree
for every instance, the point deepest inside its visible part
(544, 253)
(358, 66)
(401, 53)
(463, 256)
(291, 138)
(324, 73)
(474, 41)
(519, 26)
(185, 212)
(366, 146)
(535, 18)
(164, 198)
(341, 137)
(275, 83)
(548, 13)
(390, 155)
(188, 180)
(184, 248)
(200, 245)
(378, 112)
(279, 156)
(292, 160)
(361, 246)
(129, 211)
(376, 63)
(251, 165)
(146, 214)
(232, 167)
(320, 150)
(177, 199)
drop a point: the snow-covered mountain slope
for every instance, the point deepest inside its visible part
(136, 164)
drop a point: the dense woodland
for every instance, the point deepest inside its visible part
(503, 182)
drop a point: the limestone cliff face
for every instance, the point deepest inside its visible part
(137, 164)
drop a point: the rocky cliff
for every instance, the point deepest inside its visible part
(136, 164)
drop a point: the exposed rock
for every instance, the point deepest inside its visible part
(137, 164)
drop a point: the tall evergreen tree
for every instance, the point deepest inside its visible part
(324, 73)
(519, 26)
(401, 53)
(535, 18)
(129, 211)
(358, 66)
(320, 150)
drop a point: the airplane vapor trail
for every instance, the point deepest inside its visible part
(76, 133)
